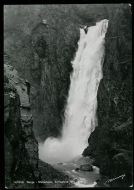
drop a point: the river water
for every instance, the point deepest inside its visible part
(79, 178)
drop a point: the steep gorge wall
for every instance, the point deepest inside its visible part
(111, 142)
(23, 169)
(43, 55)
(21, 147)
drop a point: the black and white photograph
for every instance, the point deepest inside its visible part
(68, 119)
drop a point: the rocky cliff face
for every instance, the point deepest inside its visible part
(43, 53)
(111, 142)
(22, 166)
(21, 147)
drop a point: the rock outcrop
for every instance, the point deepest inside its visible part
(86, 167)
(21, 147)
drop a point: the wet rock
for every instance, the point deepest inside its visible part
(86, 167)
(75, 180)
(77, 169)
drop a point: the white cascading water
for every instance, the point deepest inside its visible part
(80, 113)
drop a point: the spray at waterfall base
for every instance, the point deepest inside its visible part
(80, 112)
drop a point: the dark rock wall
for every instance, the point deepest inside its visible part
(43, 54)
(21, 147)
(23, 169)
(111, 142)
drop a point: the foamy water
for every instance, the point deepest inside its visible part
(80, 112)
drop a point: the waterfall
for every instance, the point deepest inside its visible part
(80, 112)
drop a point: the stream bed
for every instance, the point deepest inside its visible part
(79, 178)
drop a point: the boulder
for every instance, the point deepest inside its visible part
(77, 169)
(86, 167)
